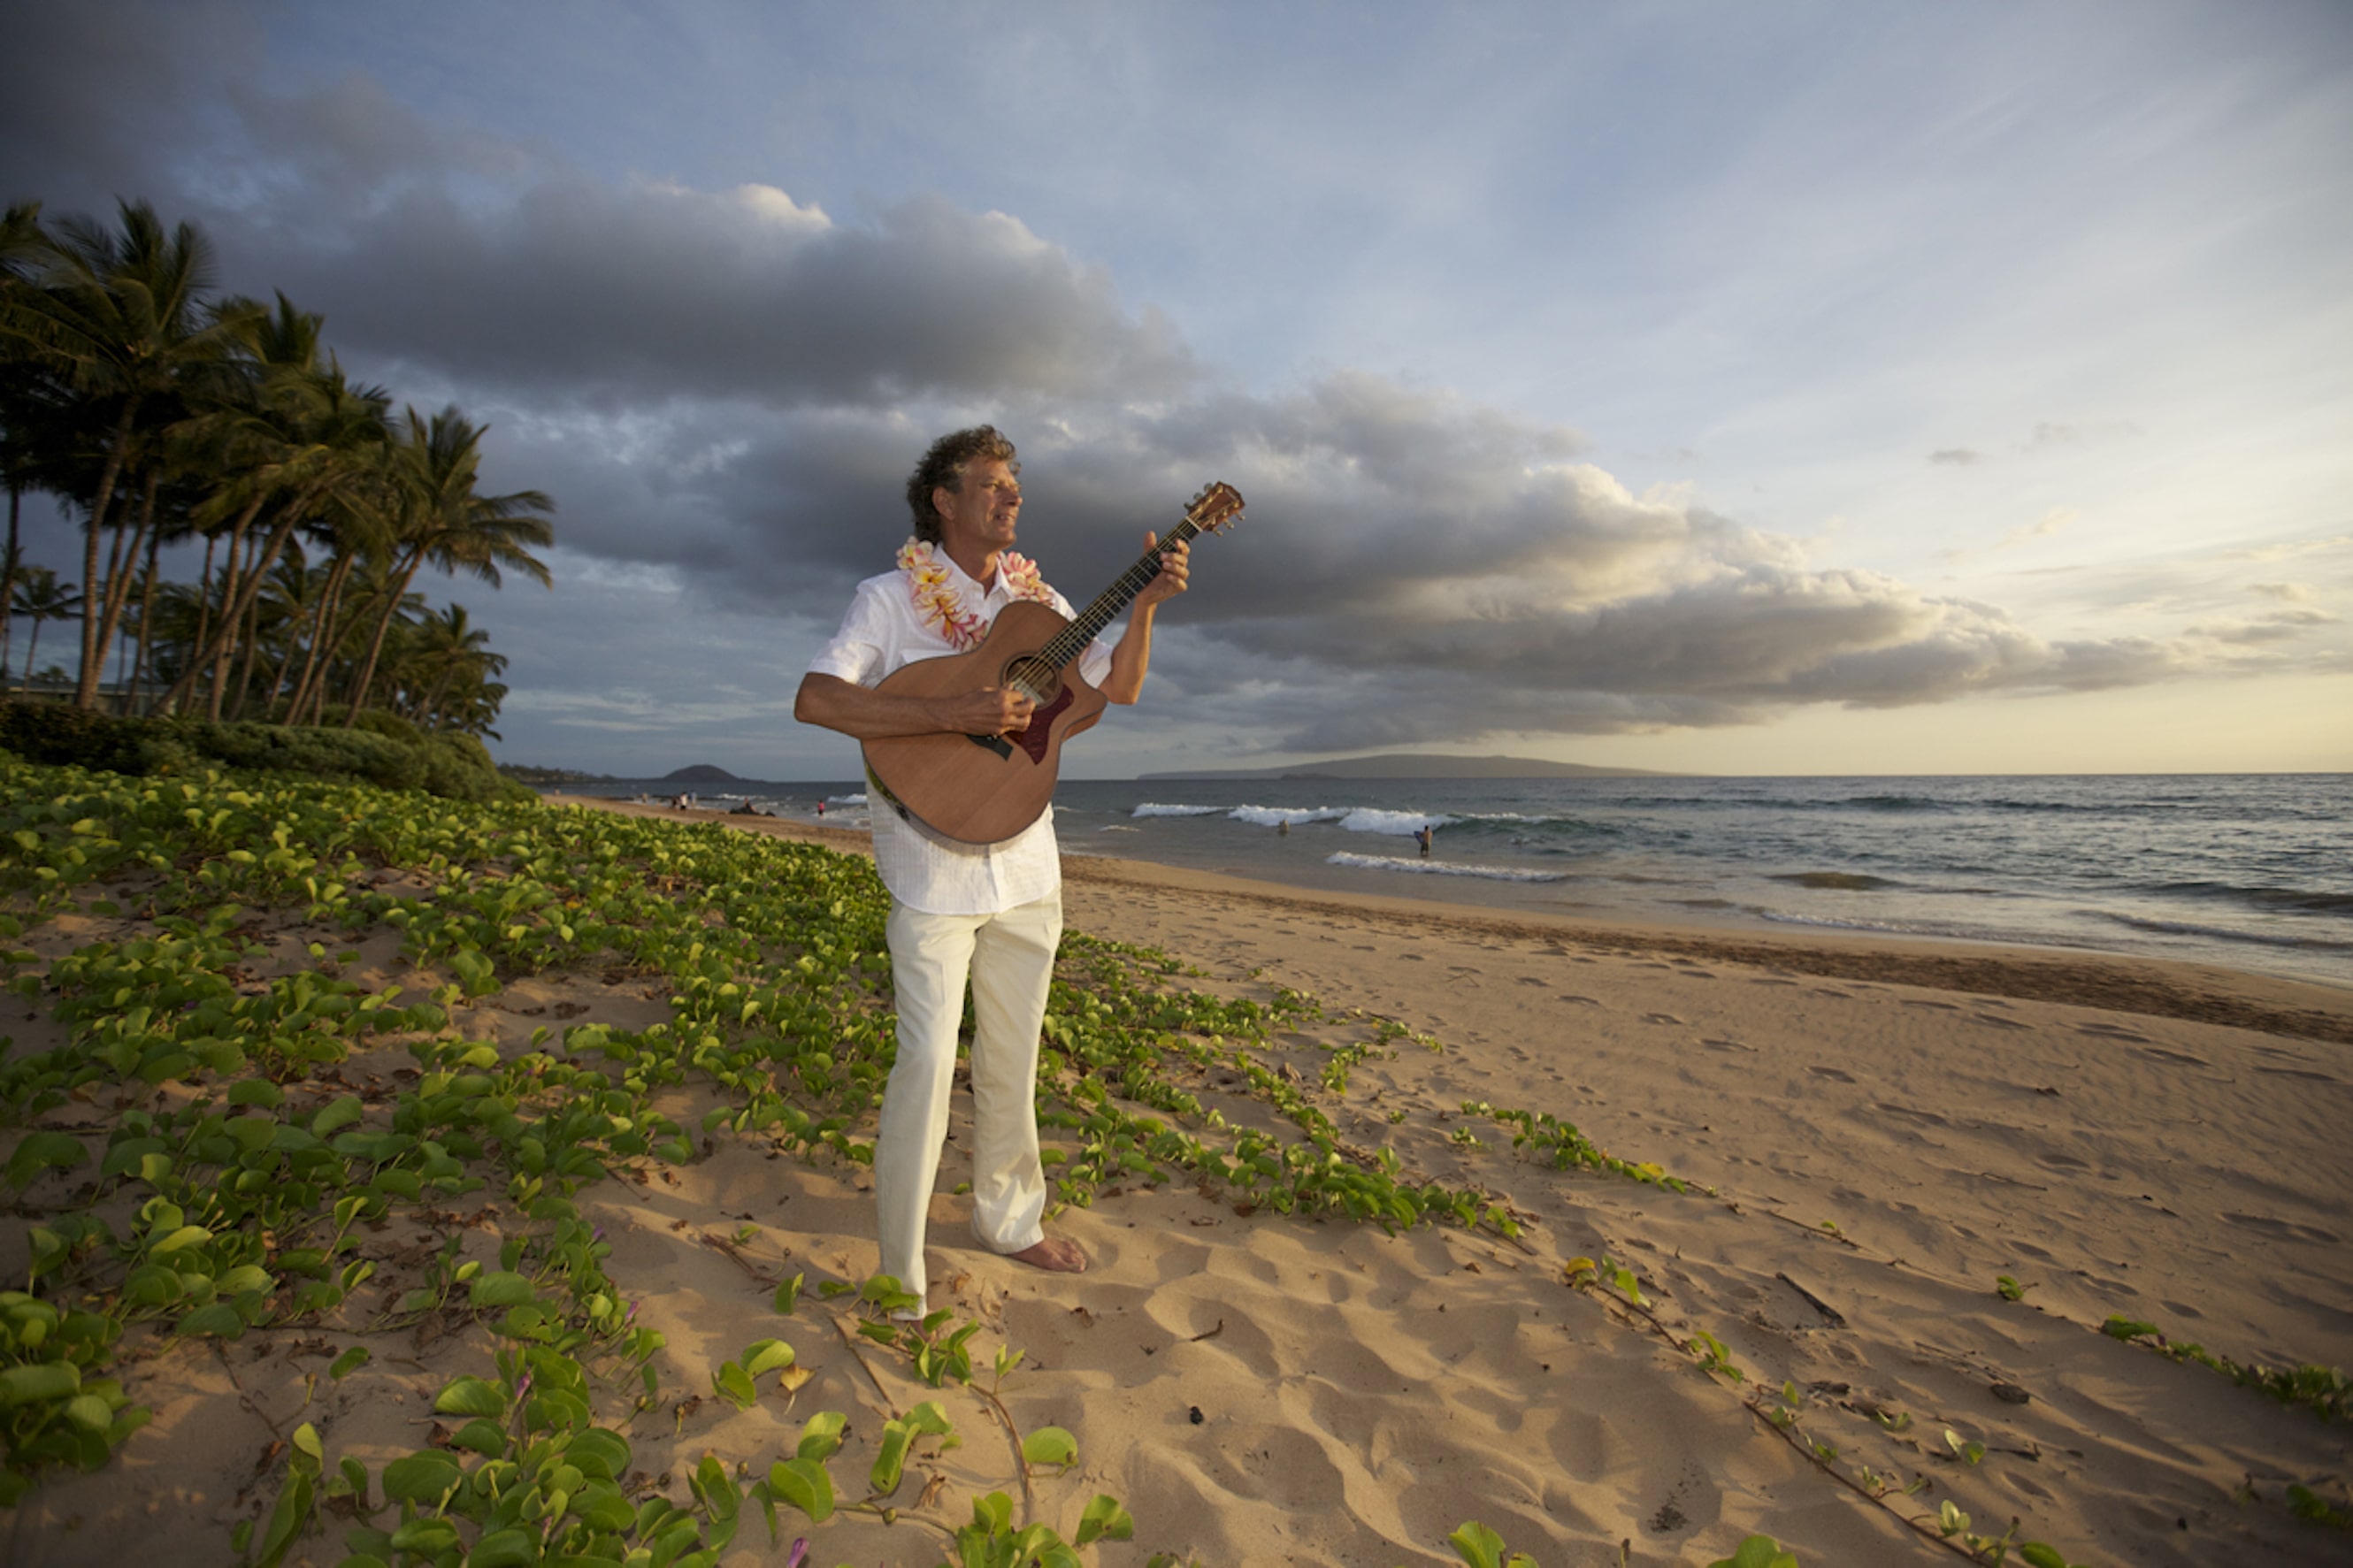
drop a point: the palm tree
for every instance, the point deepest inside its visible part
(41, 597)
(120, 320)
(441, 519)
(312, 433)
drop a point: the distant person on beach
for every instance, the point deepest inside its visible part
(1422, 836)
(820, 808)
(993, 912)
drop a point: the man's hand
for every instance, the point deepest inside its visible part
(991, 710)
(1175, 564)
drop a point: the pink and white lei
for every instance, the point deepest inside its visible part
(940, 607)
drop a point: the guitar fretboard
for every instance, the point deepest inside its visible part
(1072, 640)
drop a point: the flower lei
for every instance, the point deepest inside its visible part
(940, 607)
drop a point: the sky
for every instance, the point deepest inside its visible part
(1806, 388)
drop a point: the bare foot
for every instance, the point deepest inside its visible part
(1056, 1255)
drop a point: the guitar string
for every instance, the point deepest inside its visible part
(1072, 639)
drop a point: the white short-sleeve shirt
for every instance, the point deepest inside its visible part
(882, 631)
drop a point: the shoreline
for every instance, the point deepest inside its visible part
(2156, 987)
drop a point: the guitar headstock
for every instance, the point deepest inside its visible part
(1216, 505)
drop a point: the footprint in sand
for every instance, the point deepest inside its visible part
(2300, 1072)
(1660, 1018)
(1834, 1073)
(1585, 1001)
(1989, 1019)
(1533, 980)
(1939, 1006)
(2111, 1032)
(1912, 1114)
(2177, 1058)
(1729, 1045)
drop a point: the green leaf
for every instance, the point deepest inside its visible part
(789, 1295)
(44, 1151)
(717, 1490)
(90, 1413)
(504, 1549)
(40, 1380)
(344, 1111)
(483, 1436)
(1757, 1552)
(286, 1521)
(732, 1383)
(805, 1484)
(219, 1320)
(500, 1289)
(891, 1457)
(1050, 1446)
(1477, 1545)
(2038, 1555)
(599, 1453)
(821, 1435)
(471, 1397)
(180, 1240)
(348, 1363)
(766, 1355)
(422, 1476)
(1106, 1518)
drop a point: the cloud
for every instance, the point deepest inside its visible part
(2049, 524)
(725, 387)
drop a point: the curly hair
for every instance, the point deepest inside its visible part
(943, 468)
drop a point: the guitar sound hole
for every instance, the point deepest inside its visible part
(1034, 679)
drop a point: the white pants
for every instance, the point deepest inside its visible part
(1010, 960)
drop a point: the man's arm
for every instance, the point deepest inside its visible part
(864, 714)
(1129, 661)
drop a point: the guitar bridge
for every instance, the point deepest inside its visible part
(998, 744)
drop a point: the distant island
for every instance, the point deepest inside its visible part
(1417, 765)
(525, 773)
(701, 772)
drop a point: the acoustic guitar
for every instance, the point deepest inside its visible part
(984, 789)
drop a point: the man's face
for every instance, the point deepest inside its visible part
(981, 511)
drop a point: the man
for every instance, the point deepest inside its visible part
(992, 912)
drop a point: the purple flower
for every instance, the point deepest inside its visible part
(800, 1554)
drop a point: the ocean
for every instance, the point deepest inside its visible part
(2251, 871)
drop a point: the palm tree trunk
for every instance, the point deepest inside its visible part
(313, 665)
(86, 687)
(146, 619)
(123, 566)
(8, 580)
(215, 657)
(399, 590)
(173, 698)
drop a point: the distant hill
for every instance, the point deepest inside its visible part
(1416, 765)
(525, 773)
(701, 772)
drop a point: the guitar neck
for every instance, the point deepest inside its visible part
(1072, 640)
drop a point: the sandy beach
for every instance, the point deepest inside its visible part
(1873, 1135)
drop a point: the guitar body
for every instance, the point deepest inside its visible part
(984, 789)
